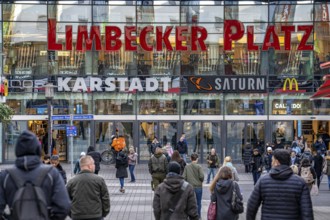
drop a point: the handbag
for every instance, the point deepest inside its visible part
(212, 211)
(237, 205)
(314, 190)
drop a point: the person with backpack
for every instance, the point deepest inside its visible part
(29, 174)
(88, 192)
(307, 155)
(158, 167)
(175, 198)
(154, 145)
(182, 147)
(96, 157)
(307, 172)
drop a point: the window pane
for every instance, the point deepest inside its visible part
(165, 104)
(246, 105)
(114, 13)
(25, 12)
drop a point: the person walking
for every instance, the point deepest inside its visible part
(154, 145)
(77, 165)
(273, 190)
(246, 156)
(96, 157)
(267, 159)
(307, 172)
(182, 147)
(327, 167)
(29, 167)
(174, 198)
(158, 166)
(132, 159)
(176, 157)
(256, 165)
(193, 174)
(318, 162)
(227, 162)
(212, 164)
(221, 189)
(121, 166)
(55, 162)
(88, 193)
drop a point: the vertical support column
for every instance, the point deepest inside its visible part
(223, 140)
(50, 135)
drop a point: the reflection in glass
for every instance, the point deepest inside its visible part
(158, 104)
(147, 133)
(246, 105)
(114, 104)
(168, 133)
(282, 131)
(235, 135)
(193, 136)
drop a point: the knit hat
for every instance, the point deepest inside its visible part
(174, 167)
(82, 154)
(54, 157)
(27, 144)
(269, 149)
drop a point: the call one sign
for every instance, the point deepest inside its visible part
(187, 38)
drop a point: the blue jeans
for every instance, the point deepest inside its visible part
(211, 171)
(184, 157)
(131, 171)
(256, 176)
(199, 194)
(122, 180)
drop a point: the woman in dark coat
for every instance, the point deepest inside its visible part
(246, 156)
(121, 166)
(96, 157)
(221, 189)
(176, 157)
(318, 166)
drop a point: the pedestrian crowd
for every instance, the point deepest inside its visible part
(177, 184)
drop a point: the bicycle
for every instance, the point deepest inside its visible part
(108, 157)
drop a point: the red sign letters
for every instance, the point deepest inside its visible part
(187, 38)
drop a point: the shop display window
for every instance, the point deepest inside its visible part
(166, 104)
(201, 104)
(282, 133)
(114, 104)
(321, 107)
(291, 105)
(253, 104)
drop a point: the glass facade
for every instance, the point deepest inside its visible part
(292, 75)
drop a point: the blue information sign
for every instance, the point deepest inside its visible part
(83, 117)
(60, 117)
(71, 131)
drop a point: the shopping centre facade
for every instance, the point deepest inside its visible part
(225, 73)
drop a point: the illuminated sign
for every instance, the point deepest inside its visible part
(290, 86)
(187, 38)
(226, 84)
(284, 106)
(98, 84)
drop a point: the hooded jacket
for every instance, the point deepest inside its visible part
(158, 164)
(280, 185)
(121, 165)
(186, 206)
(222, 196)
(96, 157)
(28, 163)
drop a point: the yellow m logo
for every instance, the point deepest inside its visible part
(291, 81)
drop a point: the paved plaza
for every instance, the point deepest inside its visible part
(136, 202)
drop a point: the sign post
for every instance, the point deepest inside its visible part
(70, 132)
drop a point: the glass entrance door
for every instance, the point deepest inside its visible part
(166, 132)
(241, 133)
(202, 137)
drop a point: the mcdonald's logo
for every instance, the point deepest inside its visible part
(291, 81)
(290, 86)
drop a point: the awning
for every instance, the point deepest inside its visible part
(324, 90)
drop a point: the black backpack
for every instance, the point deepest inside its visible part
(29, 201)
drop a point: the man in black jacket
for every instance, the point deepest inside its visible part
(29, 165)
(96, 157)
(283, 195)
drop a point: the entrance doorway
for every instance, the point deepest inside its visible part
(241, 133)
(202, 137)
(166, 132)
